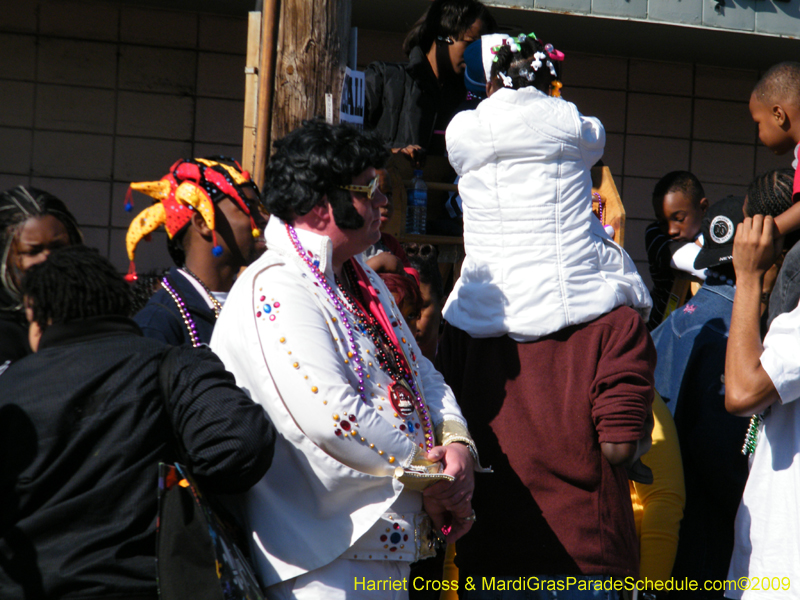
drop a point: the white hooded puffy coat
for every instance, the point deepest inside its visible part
(537, 260)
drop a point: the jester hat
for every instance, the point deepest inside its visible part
(190, 186)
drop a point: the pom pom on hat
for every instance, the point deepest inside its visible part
(131, 276)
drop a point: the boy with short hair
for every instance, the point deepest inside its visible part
(679, 204)
(691, 345)
(775, 107)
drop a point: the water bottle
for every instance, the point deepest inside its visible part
(417, 209)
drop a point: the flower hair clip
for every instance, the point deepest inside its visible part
(495, 49)
(527, 74)
(553, 53)
(537, 60)
(514, 44)
(552, 69)
(506, 80)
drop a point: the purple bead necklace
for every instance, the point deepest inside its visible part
(323, 282)
(600, 206)
(354, 354)
(187, 318)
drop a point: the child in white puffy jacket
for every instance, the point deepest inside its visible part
(537, 259)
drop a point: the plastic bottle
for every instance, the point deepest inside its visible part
(417, 209)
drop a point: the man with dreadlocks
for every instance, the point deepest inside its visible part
(210, 209)
(84, 423)
(33, 223)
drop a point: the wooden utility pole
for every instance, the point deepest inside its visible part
(251, 94)
(302, 58)
(313, 39)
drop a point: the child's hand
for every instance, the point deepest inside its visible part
(386, 262)
(415, 153)
(788, 221)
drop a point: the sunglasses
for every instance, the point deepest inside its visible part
(421, 250)
(451, 41)
(369, 189)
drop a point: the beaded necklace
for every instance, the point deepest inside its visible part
(214, 302)
(390, 358)
(751, 437)
(403, 392)
(599, 199)
(187, 318)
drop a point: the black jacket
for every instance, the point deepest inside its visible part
(161, 320)
(405, 104)
(13, 336)
(83, 427)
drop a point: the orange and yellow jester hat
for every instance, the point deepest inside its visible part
(190, 186)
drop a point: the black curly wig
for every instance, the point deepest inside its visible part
(311, 162)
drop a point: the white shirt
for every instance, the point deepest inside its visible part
(285, 342)
(220, 297)
(767, 529)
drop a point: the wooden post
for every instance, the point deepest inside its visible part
(249, 135)
(614, 211)
(313, 38)
(266, 76)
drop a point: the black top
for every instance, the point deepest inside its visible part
(13, 336)
(83, 427)
(660, 249)
(405, 103)
(161, 320)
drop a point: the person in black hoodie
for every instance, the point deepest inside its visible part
(408, 103)
(84, 425)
